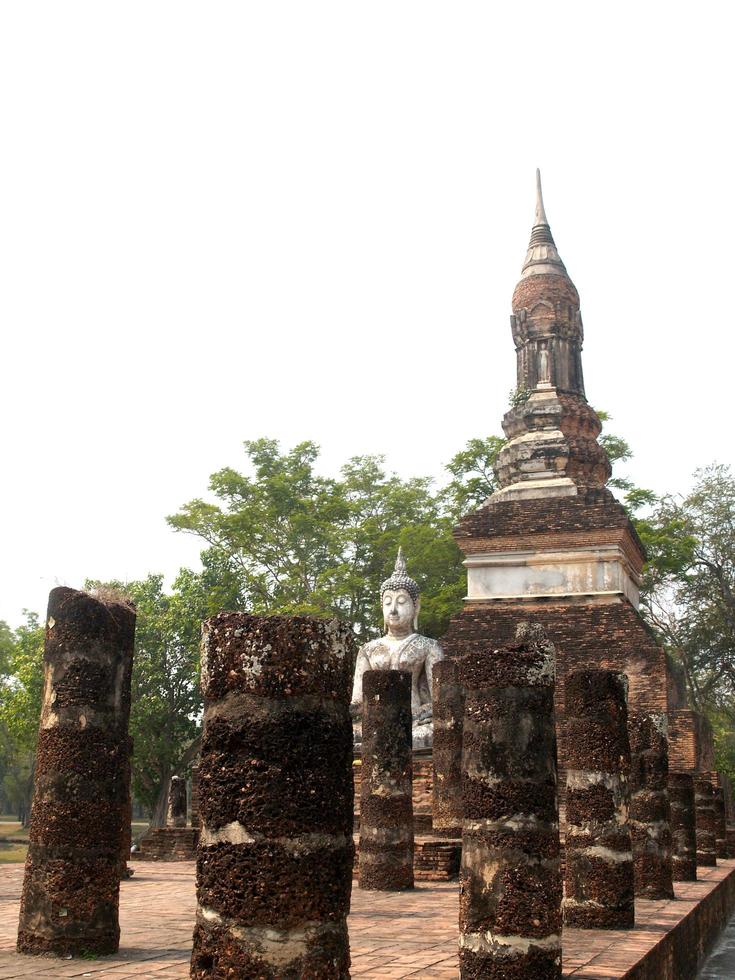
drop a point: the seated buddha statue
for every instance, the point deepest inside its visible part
(402, 648)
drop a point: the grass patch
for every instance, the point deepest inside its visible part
(12, 853)
(12, 830)
(16, 848)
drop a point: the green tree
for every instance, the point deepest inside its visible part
(166, 701)
(665, 547)
(693, 602)
(472, 475)
(286, 540)
(21, 693)
(690, 601)
(6, 649)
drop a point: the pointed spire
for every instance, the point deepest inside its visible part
(540, 213)
(542, 256)
(400, 579)
(401, 568)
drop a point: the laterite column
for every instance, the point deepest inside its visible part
(81, 797)
(274, 861)
(126, 836)
(650, 818)
(683, 826)
(510, 882)
(177, 802)
(195, 797)
(448, 702)
(704, 804)
(721, 848)
(599, 859)
(386, 804)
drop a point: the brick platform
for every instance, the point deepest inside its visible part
(392, 935)
(434, 858)
(168, 844)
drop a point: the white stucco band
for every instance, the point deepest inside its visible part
(600, 570)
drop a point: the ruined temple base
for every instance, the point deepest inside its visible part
(168, 844)
(392, 935)
(434, 858)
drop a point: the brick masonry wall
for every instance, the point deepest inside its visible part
(168, 844)
(683, 949)
(690, 742)
(559, 541)
(608, 635)
(592, 510)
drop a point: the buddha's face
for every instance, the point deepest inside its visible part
(399, 612)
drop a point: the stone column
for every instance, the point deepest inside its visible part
(683, 826)
(81, 797)
(274, 861)
(177, 802)
(448, 702)
(126, 836)
(650, 817)
(195, 797)
(510, 882)
(599, 859)
(386, 804)
(721, 847)
(704, 804)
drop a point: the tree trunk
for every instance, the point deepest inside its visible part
(160, 810)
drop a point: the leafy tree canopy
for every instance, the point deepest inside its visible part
(692, 602)
(286, 540)
(21, 692)
(166, 701)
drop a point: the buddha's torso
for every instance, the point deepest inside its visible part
(407, 653)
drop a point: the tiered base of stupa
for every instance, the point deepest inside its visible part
(571, 563)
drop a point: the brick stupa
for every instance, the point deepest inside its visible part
(553, 544)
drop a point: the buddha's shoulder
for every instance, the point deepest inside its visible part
(428, 644)
(373, 646)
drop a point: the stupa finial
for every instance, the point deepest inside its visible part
(540, 212)
(542, 257)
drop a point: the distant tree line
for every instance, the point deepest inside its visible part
(280, 538)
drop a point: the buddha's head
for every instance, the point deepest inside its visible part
(400, 599)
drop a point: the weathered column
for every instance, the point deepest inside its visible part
(448, 702)
(650, 817)
(195, 797)
(274, 861)
(683, 826)
(510, 882)
(599, 859)
(704, 804)
(126, 835)
(721, 847)
(80, 804)
(177, 802)
(386, 804)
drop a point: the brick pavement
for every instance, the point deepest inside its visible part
(393, 935)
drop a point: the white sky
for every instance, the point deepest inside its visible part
(305, 220)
